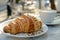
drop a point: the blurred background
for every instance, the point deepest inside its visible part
(16, 4)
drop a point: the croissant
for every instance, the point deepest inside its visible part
(23, 24)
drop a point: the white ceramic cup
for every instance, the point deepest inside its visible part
(48, 16)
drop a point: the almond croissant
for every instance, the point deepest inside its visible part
(23, 24)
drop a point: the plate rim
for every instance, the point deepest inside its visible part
(52, 23)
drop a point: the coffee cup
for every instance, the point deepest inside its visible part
(48, 16)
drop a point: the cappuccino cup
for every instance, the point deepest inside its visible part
(48, 16)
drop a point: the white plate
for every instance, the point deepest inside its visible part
(54, 22)
(38, 33)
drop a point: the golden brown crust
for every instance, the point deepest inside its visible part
(23, 24)
(26, 24)
(19, 23)
(13, 28)
(37, 23)
(6, 29)
(31, 25)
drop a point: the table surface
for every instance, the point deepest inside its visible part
(53, 33)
